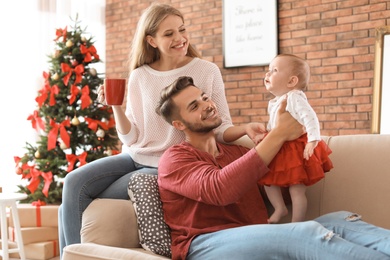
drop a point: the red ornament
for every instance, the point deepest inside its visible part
(18, 170)
(74, 63)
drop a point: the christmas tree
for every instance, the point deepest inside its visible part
(73, 128)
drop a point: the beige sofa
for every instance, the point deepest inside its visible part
(359, 182)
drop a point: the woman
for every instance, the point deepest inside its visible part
(160, 53)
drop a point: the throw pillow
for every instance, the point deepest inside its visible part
(154, 233)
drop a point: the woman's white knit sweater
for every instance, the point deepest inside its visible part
(150, 135)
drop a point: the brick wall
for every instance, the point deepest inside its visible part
(336, 37)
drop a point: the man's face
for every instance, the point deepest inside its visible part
(197, 111)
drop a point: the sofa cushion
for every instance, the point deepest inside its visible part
(96, 223)
(154, 234)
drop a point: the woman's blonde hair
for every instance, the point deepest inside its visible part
(141, 52)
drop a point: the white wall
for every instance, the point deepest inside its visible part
(385, 108)
(27, 29)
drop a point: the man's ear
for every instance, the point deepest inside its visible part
(293, 81)
(151, 42)
(178, 125)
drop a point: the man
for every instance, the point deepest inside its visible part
(212, 203)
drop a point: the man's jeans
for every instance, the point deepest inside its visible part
(340, 235)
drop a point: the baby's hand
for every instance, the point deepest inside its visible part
(309, 149)
(255, 131)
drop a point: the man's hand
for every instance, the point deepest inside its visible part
(286, 125)
(286, 129)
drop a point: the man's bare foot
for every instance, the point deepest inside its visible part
(277, 215)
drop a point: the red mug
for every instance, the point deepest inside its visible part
(114, 91)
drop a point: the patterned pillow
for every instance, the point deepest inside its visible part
(154, 234)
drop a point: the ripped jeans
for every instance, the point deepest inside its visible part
(340, 235)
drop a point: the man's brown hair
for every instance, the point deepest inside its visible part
(166, 107)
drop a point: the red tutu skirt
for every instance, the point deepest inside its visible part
(289, 167)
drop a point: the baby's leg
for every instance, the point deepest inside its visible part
(299, 202)
(275, 197)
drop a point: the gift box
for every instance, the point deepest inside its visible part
(34, 234)
(42, 250)
(37, 216)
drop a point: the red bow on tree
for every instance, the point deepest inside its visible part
(78, 70)
(93, 124)
(89, 52)
(52, 136)
(53, 91)
(42, 96)
(74, 90)
(61, 33)
(44, 92)
(85, 99)
(46, 76)
(36, 121)
(72, 160)
(35, 181)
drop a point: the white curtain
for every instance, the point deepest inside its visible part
(27, 29)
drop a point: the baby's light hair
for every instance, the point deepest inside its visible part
(299, 68)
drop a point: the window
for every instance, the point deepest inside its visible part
(28, 29)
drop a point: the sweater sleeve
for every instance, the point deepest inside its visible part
(301, 110)
(198, 176)
(219, 97)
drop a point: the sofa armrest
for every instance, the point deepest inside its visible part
(105, 217)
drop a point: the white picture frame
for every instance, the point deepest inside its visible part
(250, 32)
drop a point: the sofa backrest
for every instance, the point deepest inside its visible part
(359, 181)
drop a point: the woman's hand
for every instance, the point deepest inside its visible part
(100, 98)
(122, 123)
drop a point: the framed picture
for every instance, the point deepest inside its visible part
(250, 32)
(381, 90)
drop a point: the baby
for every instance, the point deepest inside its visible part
(301, 162)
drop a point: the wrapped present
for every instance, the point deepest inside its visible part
(34, 234)
(37, 216)
(42, 250)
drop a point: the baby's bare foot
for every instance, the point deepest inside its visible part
(277, 215)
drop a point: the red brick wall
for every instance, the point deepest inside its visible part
(336, 37)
